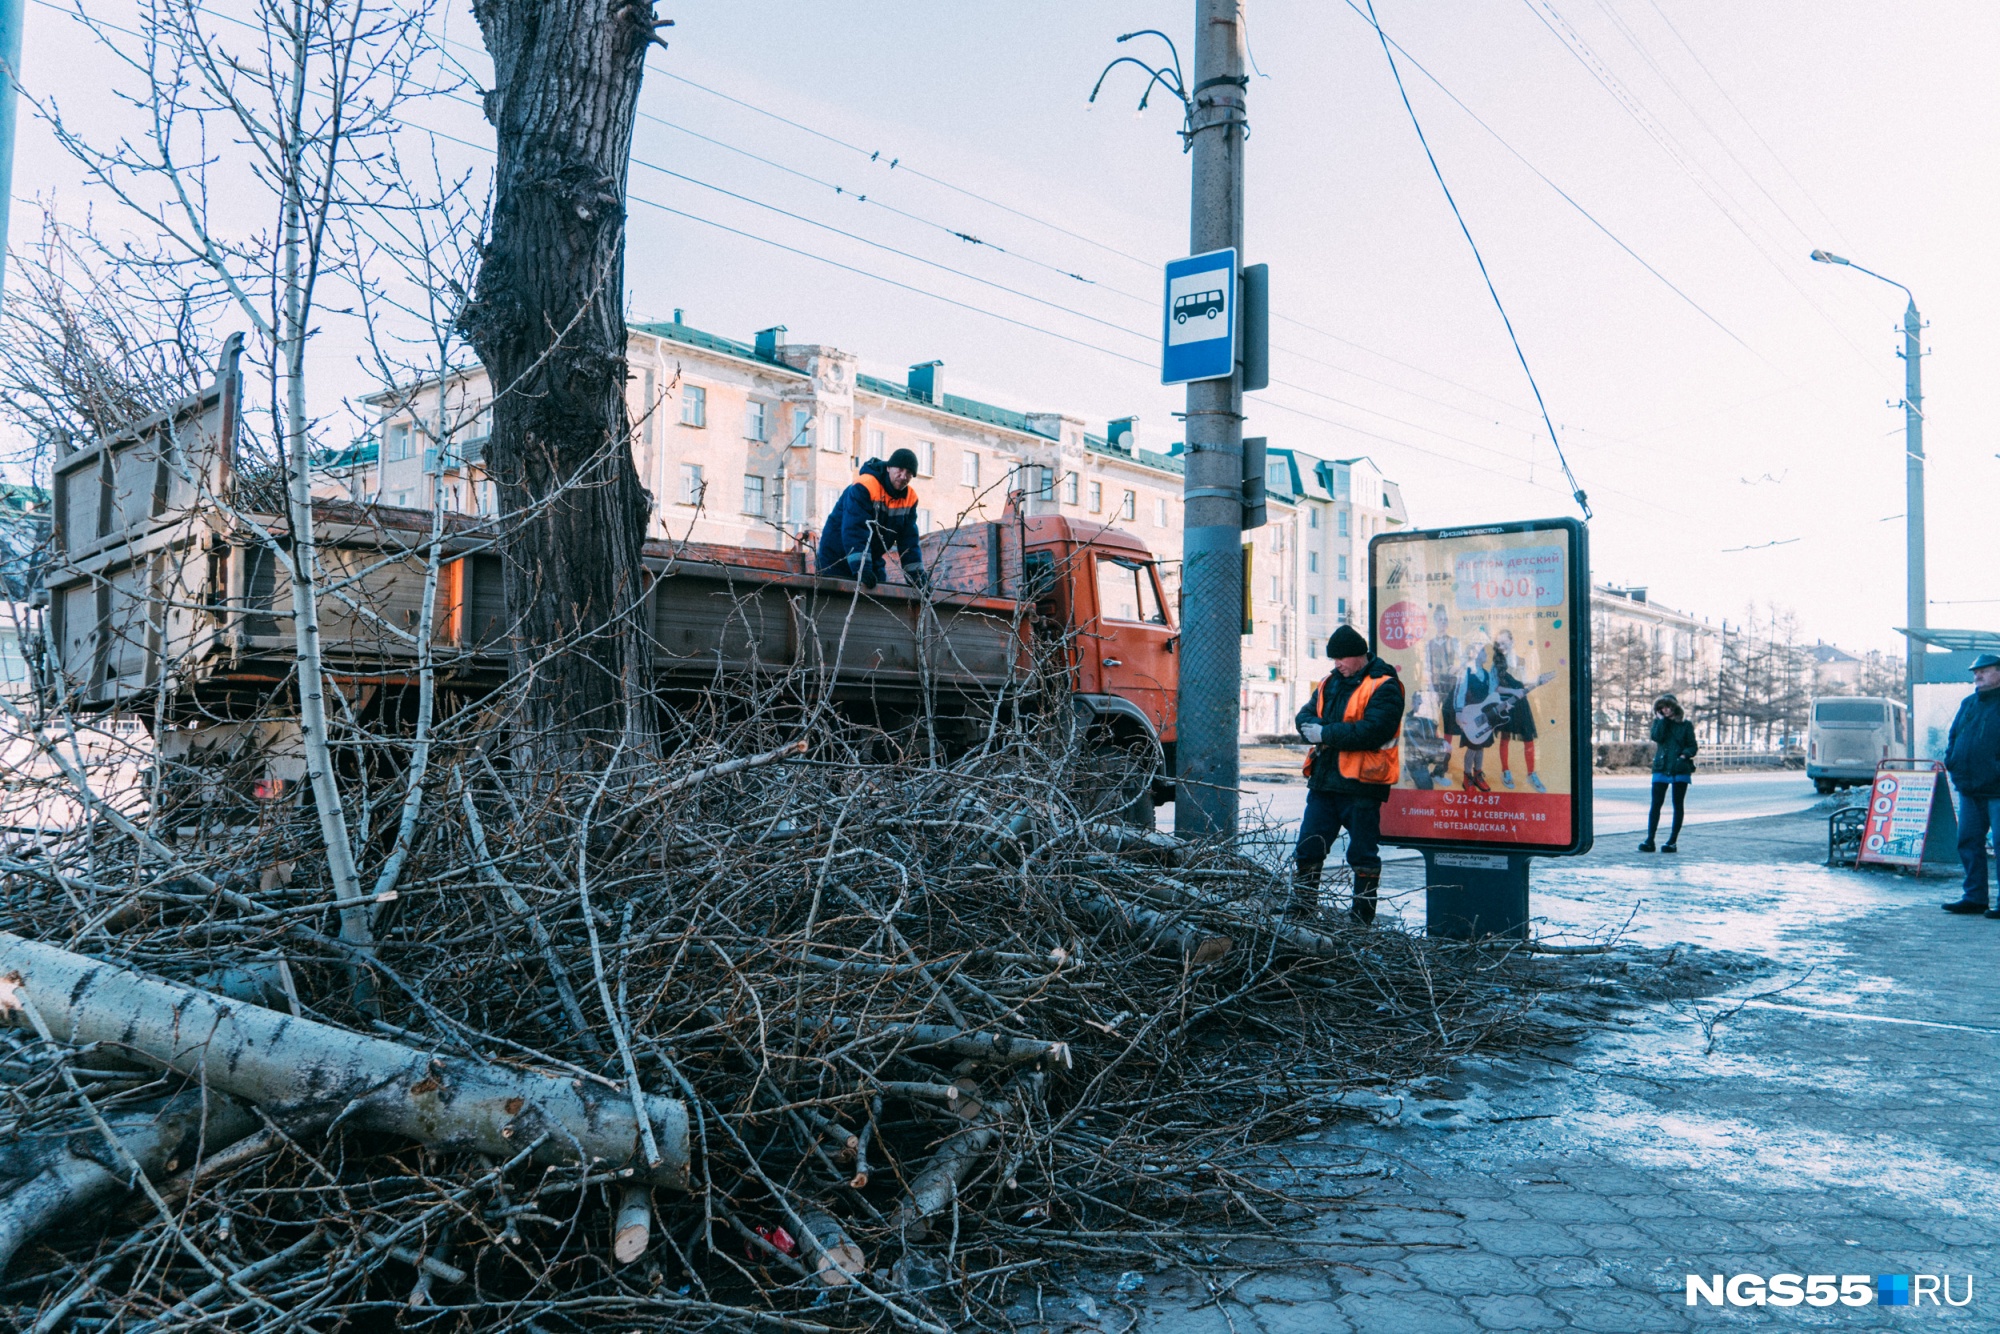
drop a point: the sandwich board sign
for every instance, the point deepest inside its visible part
(1198, 318)
(1909, 811)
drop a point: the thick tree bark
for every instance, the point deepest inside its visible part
(548, 322)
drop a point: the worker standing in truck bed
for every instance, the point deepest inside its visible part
(878, 511)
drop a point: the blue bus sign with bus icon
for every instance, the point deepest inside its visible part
(1199, 339)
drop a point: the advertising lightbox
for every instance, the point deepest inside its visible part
(1489, 628)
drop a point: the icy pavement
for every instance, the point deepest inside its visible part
(1833, 1114)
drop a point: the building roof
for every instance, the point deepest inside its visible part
(1826, 653)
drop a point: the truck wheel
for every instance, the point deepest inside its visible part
(1824, 786)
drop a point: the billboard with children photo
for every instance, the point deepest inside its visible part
(1488, 628)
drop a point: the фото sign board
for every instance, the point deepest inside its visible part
(1900, 808)
(1198, 338)
(1489, 630)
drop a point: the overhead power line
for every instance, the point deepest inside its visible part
(1576, 491)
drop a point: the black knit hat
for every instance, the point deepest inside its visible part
(1346, 642)
(906, 459)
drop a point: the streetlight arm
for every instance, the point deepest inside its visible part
(1828, 257)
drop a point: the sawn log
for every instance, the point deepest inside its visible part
(296, 1066)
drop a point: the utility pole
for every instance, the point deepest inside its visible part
(11, 19)
(1211, 667)
(1918, 611)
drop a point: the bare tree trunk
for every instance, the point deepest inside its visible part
(549, 324)
(297, 1066)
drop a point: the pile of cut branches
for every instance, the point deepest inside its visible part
(774, 1033)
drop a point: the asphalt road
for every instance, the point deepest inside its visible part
(1620, 800)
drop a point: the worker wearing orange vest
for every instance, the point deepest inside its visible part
(877, 512)
(1354, 723)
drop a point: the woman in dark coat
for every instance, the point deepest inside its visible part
(1674, 750)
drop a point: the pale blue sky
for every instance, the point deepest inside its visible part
(1864, 128)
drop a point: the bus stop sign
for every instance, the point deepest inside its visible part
(1198, 341)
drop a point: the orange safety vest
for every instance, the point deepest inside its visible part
(1382, 765)
(880, 493)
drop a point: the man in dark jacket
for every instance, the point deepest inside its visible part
(875, 513)
(1354, 722)
(1972, 758)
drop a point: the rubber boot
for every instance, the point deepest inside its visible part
(1304, 903)
(1366, 883)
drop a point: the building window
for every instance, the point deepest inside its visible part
(835, 441)
(1312, 562)
(396, 442)
(402, 501)
(691, 484)
(968, 468)
(1071, 488)
(926, 458)
(1275, 595)
(1312, 604)
(1312, 648)
(646, 406)
(1340, 570)
(1341, 608)
(1312, 518)
(1159, 512)
(753, 494)
(878, 443)
(1342, 530)
(796, 512)
(1097, 497)
(753, 421)
(801, 426)
(1278, 475)
(1045, 483)
(694, 406)
(829, 496)
(923, 521)
(1128, 509)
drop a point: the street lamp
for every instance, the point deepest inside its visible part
(1913, 452)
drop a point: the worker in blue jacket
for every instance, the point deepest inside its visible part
(877, 512)
(1972, 758)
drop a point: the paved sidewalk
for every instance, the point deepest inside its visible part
(1847, 1124)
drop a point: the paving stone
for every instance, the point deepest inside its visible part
(1611, 1236)
(1689, 1236)
(1506, 1237)
(1569, 1271)
(1569, 1206)
(1485, 1210)
(1306, 1318)
(1513, 1312)
(1618, 1311)
(1653, 1206)
(1293, 1289)
(1470, 1273)
(1412, 1313)
(1959, 1231)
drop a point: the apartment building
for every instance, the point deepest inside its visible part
(751, 443)
(1308, 574)
(1640, 649)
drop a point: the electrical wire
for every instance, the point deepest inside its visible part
(1576, 491)
(1543, 177)
(895, 163)
(1716, 194)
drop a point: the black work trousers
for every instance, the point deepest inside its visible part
(1327, 813)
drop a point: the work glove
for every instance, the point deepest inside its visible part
(916, 577)
(1311, 732)
(868, 579)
